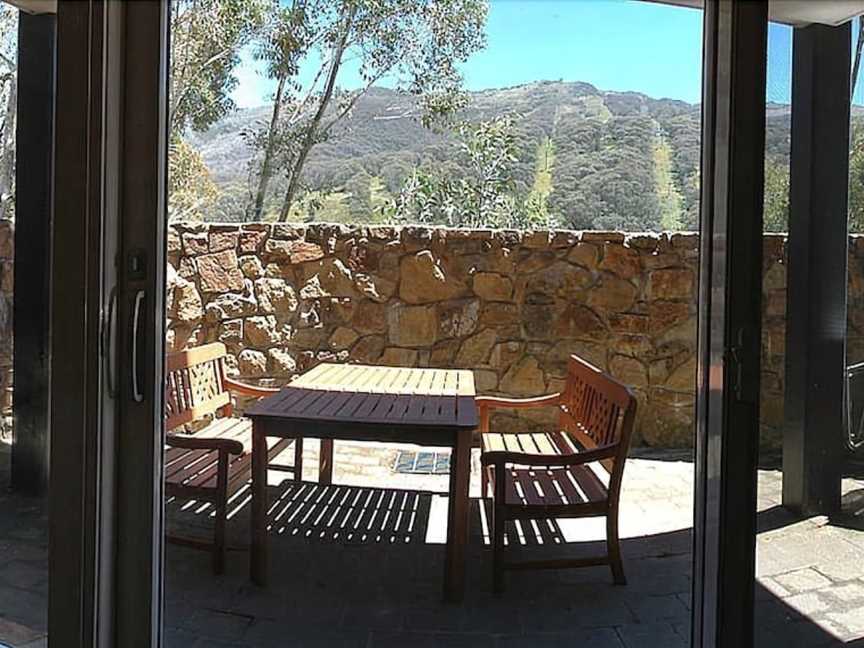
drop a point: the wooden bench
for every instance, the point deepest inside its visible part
(214, 463)
(570, 472)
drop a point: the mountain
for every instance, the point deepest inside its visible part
(605, 159)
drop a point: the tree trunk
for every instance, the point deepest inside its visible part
(7, 151)
(312, 130)
(267, 163)
(857, 65)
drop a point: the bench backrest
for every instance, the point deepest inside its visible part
(194, 385)
(597, 410)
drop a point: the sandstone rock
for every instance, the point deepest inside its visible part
(223, 238)
(425, 279)
(642, 242)
(231, 305)
(558, 357)
(375, 288)
(230, 332)
(194, 244)
(251, 266)
(368, 349)
(219, 272)
(369, 317)
(309, 338)
(294, 251)
(251, 241)
(538, 240)
(342, 338)
(578, 321)
(584, 254)
(444, 353)
(187, 307)
(603, 237)
(621, 261)
(671, 284)
(475, 350)
(685, 241)
(412, 326)
(280, 362)
(532, 261)
(493, 287)
(630, 371)
(658, 261)
(629, 323)
(251, 364)
(187, 268)
(683, 378)
(329, 277)
(485, 381)
(260, 332)
(499, 314)
(612, 295)
(504, 354)
(524, 378)
(398, 357)
(538, 312)
(665, 314)
(174, 244)
(560, 279)
(457, 319)
(289, 232)
(275, 296)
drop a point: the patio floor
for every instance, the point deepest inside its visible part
(376, 581)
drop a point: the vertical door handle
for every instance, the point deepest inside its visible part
(137, 394)
(108, 344)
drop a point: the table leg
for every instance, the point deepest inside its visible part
(325, 462)
(258, 550)
(457, 523)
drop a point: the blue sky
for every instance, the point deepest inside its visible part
(613, 44)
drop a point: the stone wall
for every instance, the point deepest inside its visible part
(509, 305)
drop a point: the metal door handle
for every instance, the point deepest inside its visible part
(137, 394)
(108, 344)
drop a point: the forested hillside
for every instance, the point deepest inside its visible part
(607, 160)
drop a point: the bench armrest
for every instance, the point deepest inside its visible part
(486, 403)
(230, 446)
(501, 457)
(249, 390)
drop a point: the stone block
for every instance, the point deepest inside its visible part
(412, 326)
(424, 278)
(492, 286)
(219, 272)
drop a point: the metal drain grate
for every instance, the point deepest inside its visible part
(412, 462)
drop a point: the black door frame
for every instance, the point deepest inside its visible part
(105, 529)
(729, 333)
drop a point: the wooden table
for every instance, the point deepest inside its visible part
(432, 407)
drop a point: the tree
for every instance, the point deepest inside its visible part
(485, 193)
(417, 43)
(193, 192)
(206, 39)
(776, 199)
(8, 107)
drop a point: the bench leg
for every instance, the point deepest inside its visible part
(221, 515)
(498, 533)
(613, 547)
(325, 463)
(298, 459)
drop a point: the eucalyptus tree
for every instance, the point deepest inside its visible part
(415, 45)
(8, 106)
(207, 37)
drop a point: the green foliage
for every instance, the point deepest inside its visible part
(776, 201)
(418, 44)
(206, 38)
(483, 191)
(192, 192)
(856, 177)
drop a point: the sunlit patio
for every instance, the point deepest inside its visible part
(359, 563)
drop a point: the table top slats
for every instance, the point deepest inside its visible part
(393, 396)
